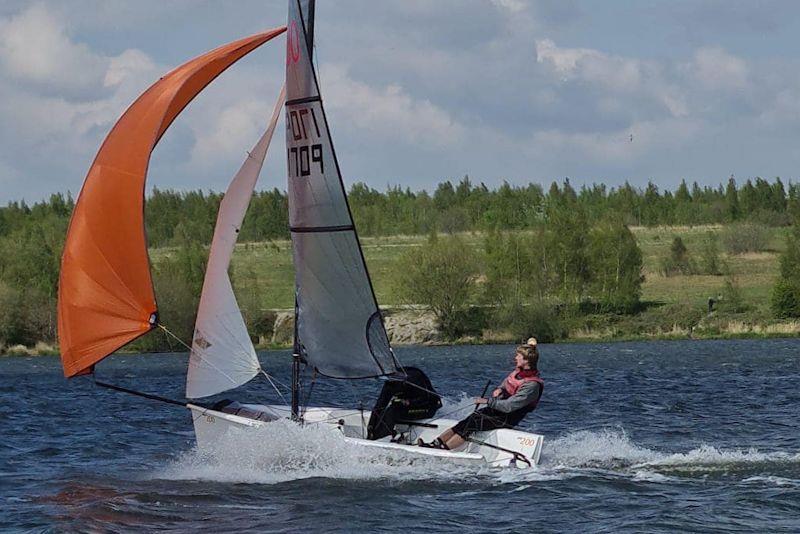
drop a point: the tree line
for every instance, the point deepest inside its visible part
(574, 246)
(173, 217)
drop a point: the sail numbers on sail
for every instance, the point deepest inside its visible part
(303, 156)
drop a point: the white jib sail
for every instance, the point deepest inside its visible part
(222, 354)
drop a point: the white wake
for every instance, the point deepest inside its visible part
(283, 451)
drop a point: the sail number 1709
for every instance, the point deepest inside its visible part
(303, 126)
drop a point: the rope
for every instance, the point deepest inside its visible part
(263, 372)
(179, 340)
(308, 395)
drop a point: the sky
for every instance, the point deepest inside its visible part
(416, 91)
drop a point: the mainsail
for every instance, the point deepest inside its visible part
(222, 354)
(339, 326)
(105, 297)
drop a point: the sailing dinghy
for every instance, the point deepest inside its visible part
(106, 299)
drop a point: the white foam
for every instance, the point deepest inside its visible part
(775, 480)
(284, 451)
(710, 456)
(604, 448)
(649, 476)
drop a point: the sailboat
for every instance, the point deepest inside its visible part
(106, 298)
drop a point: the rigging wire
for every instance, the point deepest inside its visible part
(179, 340)
(266, 375)
(308, 395)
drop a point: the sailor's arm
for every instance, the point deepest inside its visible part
(501, 390)
(524, 397)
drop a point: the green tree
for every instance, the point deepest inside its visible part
(677, 260)
(710, 261)
(732, 299)
(178, 281)
(441, 275)
(785, 297)
(615, 262)
(565, 242)
(732, 208)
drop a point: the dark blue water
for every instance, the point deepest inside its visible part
(660, 436)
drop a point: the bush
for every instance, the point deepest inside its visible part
(261, 325)
(441, 275)
(515, 268)
(615, 264)
(785, 300)
(710, 262)
(677, 260)
(468, 322)
(178, 282)
(537, 320)
(732, 300)
(785, 297)
(745, 237)
(26, 316)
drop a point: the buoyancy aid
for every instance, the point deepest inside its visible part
(517, 378)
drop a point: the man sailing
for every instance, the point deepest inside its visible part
(517, 395)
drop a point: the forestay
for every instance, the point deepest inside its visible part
(222, 355)
(339, 326)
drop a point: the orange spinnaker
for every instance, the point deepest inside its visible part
(105, 293)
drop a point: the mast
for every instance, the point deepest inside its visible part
(297, 357)
(296, 361)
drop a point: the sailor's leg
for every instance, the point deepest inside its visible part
(446, 435)
(454, 442)
(439, 442)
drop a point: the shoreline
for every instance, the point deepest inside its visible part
(777, 330)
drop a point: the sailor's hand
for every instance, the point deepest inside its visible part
(481, 400)
(496, 393)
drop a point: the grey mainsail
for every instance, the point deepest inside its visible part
(339, 327)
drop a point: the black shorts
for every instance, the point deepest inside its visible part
(487, 419)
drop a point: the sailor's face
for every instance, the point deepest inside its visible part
(519, 360)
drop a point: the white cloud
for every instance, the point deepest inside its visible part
(564, 60)
(60, 96)
(416, 90)
(34, 47)
(231, 131)
(590, 65)
(129, 64)
(716, 69)
(513, 6)
(654, 83)
(388, 111)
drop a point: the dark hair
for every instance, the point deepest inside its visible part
(530, 352)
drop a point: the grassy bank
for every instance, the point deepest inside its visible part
(674, 306)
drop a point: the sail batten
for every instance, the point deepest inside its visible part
(222, 355)
(105, 265)
(339, 326)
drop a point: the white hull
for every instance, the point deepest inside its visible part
(210, 427)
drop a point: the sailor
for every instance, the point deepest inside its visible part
(517, 395)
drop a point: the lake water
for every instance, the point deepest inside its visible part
(658, 436)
